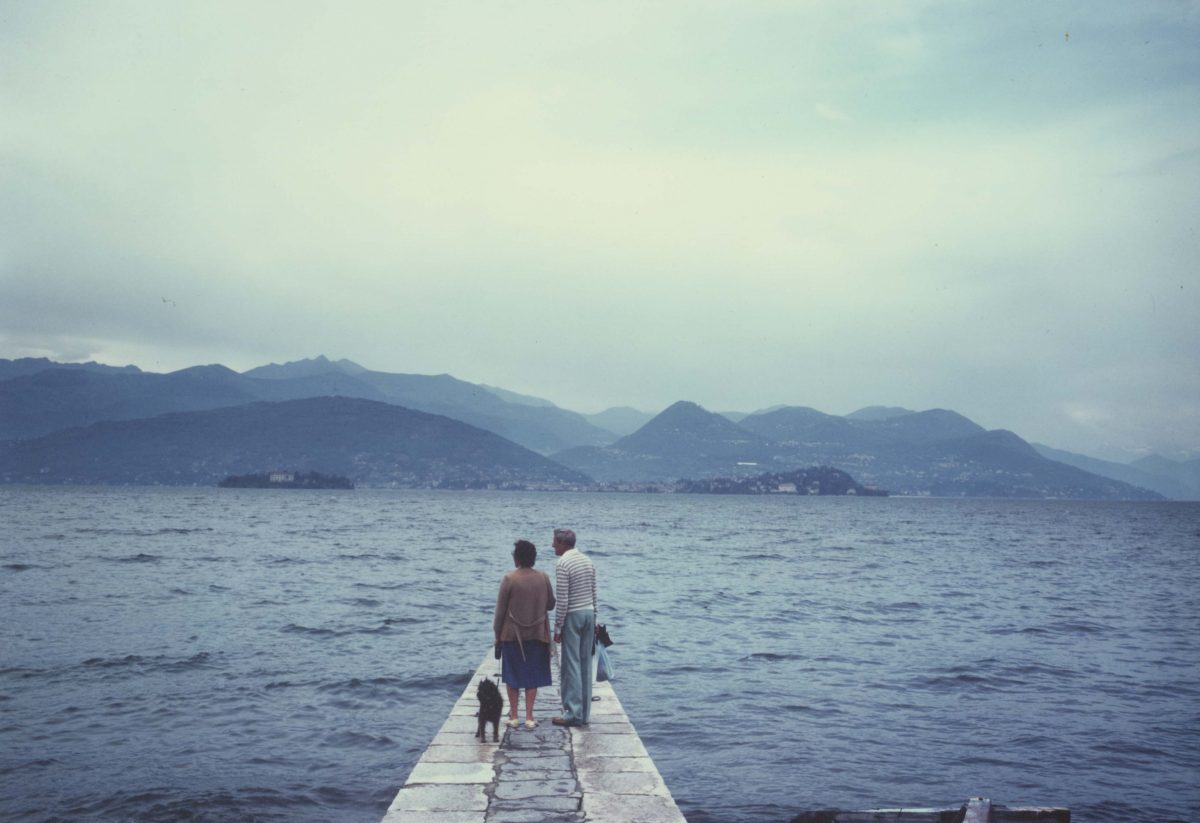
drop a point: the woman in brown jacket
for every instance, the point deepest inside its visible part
(523, 630)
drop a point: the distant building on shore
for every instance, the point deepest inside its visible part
(280, 479)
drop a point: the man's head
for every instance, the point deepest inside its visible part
(564, 541)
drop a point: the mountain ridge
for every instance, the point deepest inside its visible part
(1177, 480)
(32, 365)
(374, 443)
(32, 405)
(884, 445)
(934, 452)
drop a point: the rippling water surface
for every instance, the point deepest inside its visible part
(220, 654)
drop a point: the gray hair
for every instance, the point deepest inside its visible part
(565, 536)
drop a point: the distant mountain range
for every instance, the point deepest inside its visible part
(89, 423)
(374, 443)
(59, 396)
(32, 365)
(1178, 480)
(935, 452)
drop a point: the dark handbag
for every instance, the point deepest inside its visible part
(496, 649)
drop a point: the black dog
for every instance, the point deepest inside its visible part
(602, 635)
(491, 704)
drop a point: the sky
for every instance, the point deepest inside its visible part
(987, 207)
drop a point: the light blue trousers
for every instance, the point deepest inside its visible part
(575, 672)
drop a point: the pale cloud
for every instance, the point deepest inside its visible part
(833, 114)
(912, 204)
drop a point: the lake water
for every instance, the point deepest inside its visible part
(180, 654)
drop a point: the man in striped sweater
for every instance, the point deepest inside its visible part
(574, 627)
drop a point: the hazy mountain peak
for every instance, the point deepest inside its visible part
(683, 412)
(687, 419)
(792, 412)
(309, 367)
(620, 420)
(210, 370)
(946, 416)
(799, 423)
(873, 413)
(928, 425)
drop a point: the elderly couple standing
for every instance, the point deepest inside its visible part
(523, 631)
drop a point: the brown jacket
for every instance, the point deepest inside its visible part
(525, 597)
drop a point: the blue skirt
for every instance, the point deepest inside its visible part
(532, 672)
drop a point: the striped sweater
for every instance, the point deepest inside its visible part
(574, 586)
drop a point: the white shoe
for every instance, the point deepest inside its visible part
(512, 723)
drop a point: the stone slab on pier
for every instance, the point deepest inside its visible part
(551, 774)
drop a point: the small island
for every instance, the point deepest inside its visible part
(286, 480)
(822, 480)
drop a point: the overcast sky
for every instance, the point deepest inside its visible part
(985, 207)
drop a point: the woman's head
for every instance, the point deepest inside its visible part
(525, 553)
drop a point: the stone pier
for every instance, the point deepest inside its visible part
(599, 772)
